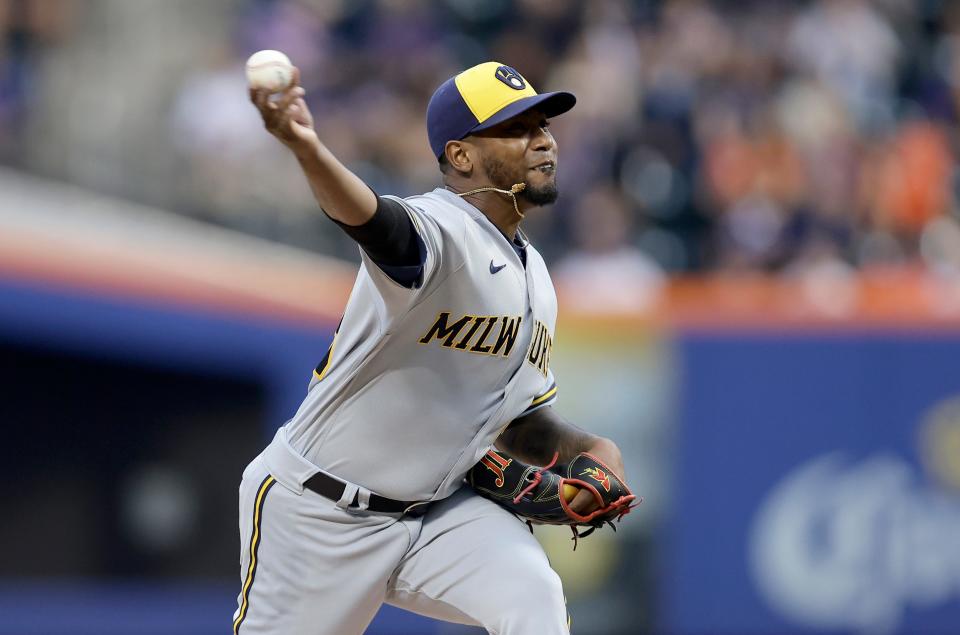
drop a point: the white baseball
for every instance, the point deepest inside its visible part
(269, 70)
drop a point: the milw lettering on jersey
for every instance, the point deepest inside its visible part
(484, 334)
(540, 347)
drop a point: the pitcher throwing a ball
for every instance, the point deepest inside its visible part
(442, 352)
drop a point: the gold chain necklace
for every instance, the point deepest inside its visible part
(512, 193)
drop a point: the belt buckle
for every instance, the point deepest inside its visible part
(417, 509)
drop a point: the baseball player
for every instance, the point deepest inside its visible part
(443, 350)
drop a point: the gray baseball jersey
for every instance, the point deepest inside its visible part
(418, 383)
(415, 387)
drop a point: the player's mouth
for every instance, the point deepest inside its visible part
(547, 167)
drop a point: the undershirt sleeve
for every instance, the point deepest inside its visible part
(391, 241)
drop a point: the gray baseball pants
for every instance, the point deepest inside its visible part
(308, 566)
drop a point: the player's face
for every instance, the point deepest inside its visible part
(522, 150)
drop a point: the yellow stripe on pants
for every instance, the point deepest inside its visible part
(254, 546)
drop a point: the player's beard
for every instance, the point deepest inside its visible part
(499, 176)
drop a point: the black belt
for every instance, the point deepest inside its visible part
(333, 489)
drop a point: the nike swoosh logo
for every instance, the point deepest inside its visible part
(496, 268)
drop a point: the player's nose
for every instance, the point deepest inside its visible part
(543, 141)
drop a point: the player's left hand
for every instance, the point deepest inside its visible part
(607, 451)
(539, 494)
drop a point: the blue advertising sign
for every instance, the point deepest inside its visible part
(818, 485)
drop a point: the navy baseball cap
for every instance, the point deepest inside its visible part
(480, 98)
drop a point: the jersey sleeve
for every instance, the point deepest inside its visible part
(397, 296)
(547, 395)
(391, 241)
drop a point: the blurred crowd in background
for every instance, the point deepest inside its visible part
(709, 136)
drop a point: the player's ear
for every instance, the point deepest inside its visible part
(460, 156)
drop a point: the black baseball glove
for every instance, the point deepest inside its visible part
(542, 495)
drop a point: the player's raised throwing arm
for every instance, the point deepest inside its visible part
(339, 192)
(378, 224)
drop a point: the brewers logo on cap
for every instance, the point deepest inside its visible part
(511, 77)
(482, 97)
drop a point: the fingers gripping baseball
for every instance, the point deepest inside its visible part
(287, 116)
(585, 502)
